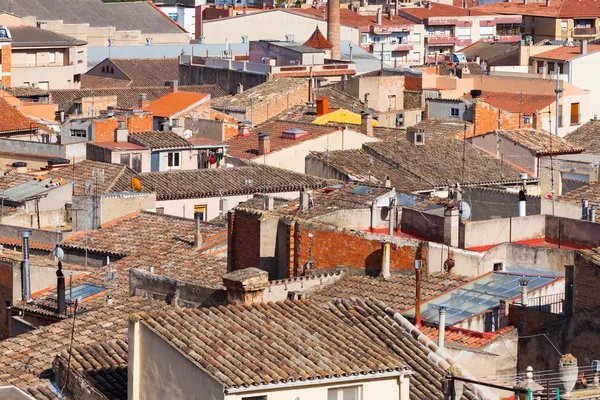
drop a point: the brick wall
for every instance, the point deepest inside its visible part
(94, 104)
(139, 122)
(587, 282)
(413, 82)
(529, 320)
(244, 240)
(485, 118)
(275, 105)
(413, 99)
(105, 130)
(6, 64)
(6, 271)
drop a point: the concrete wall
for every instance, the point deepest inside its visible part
(440, 108)
(511, 151)
(38, 235)
(588, 169)
(40, 278)
(426, 224)
(573, 231)
(490, 203)
(282, 55)
(43, 149)
(226, 78)
(496, 231)
(108, 208)
(377, 89)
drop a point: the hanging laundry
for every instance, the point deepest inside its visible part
(212, 159)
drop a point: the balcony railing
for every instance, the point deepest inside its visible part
(584, 31)
(552, 303)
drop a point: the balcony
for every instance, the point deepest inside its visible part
(388, 47)
(447, 40)
(387, 30)
(585, 31)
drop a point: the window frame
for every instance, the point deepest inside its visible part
(128, 159)
(78, 133)
(340, 391)
(174, 159)
(452, 109)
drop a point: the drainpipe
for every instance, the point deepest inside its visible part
(442, 327)
(523, 284)
(25, 267)
(584, 209)
(593, 213)
(60, 290)
(418, 266)
(197, 235)
(373, 215)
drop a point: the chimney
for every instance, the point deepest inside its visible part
(391, 14)
(387, 181)
(386, 249)
(584, 209)
(174, 85)
(451, 226)
(198, 236)
(264, 143)
(244, 128)
(246, 286)
(223, 207)
(322, 106)
(25, 267)
(60, 290)
(547, 3)
(379, 16)
(523, 284)
(592, 213)
(121, 133)
(418, 267)
(367, 123)
(142, 100)
(333, 27)
(305, 199)
(392, 225)
(269, 202)
(522, 204)
(583, 47)
(240, 88)
(442, 327)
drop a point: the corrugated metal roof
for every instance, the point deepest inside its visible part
(27, 190)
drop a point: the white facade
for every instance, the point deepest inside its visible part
(398, 48)
(184, 16)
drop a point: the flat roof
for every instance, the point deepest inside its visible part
(300, 48)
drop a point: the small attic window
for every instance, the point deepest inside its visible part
(294, 134)
(419, 138)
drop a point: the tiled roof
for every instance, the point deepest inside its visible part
(246, 147)
(318, 41)
(566, 53)
(539, 142)
(214, 182)
(441, 10)
(440, 161)
(350, 18)
(103, 365)
(9, 180)
(527, 104)
(127, 98)
(30, 36)
(556, 9)
(146, 233)
(444, 127)
(12, 120)
(360, 166)
(174, 103)
(587, 136)
(494, 53)
(215, 339)
(144, 72)
(157, 140)
(269, 91)
(27, 91)
(116, 177)
(398, 292)
(89, 82)
(466, 337)
(590, 192)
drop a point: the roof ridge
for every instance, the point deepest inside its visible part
(117, 177)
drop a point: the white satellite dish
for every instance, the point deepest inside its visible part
(465, 211)
(187, 134)
(59, 253)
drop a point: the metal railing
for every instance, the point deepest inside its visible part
(552, 303)
(584, 31)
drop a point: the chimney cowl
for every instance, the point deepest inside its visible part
(379, 19)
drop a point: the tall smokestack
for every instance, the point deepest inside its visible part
(333, 27)
(442, 327)
(25, 268)
(60, 290)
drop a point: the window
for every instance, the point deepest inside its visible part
(173, 160)
(416, 56)
(364, 38)
(399, 120)
(136, 162)
(563, 25)
(498, 266)
(463, 33)
(125, 159)
(52, 57)
(79, 133)
(454, 112)
(201, 209)
(44, 85)
(160, 210)
(574, 113)
(26, 84)
(526, 119)
(346, 393)
(416, 38)
(173, 16)
(486, 32)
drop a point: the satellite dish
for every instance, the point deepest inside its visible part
(59, 253)
(187, 134)
(465, 209)
(136, 184)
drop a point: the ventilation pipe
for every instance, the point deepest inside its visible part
(60, 290)
(392, 216)
(584, 209)
(523, 284)
(442, 327)
(593, 213)
(386, 249)
(373, 214)
(522, 204)
(25, 267)
(379, 16)
(197, 236)
(418, 267)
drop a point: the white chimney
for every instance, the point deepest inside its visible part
(523, 284)
(373, 214)
(392, 216)
(442, 327)
(522, 204)
(584, 209)
(198, 236)
(593, 213)
(379, 16)
(451, 226)
(386, 249)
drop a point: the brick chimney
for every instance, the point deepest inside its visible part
(244, 128)
(366, 123)
(246, 286)
(264, 143)
(174, 86)
(142, 100)
(322, 106)
(451, 226)
(333, 27)
(379, 16)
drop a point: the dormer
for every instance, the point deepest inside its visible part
(415, 136)
(294, 133)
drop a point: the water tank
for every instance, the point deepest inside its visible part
(19, 164)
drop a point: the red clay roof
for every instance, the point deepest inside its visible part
(441, 10)
(466, 337)
(11, 120)
(350, 18)
(511, 102)
(173, 103)
(566, 53)
(318, 41)
(557, 8)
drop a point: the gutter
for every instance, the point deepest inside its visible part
(314, 382)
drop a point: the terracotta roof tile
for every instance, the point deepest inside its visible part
(539, 142)
(350, 18)
(587, 136)
(190, 184)
(98, 82)
(116, 177)
(9, 180)
(557, 8)
(527, 104)
(157, 140)
(441, 10)
(270, 91)
(145, 71)
(127, 98)
(173, 103)
(466, 337)
(566, 53)
(330, 346)
(318, 41)
(11, 119)
(246, 147)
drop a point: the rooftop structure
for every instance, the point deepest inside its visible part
(133, 72)
(589, 192)
(174, 104)
(523, 103)
(159, 140)
(96, 177)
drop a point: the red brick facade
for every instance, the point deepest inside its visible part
(6, 64)
(6, 280)
(243, 241)
(486, 117)
(587, 282)
(413, 83)
(105, 128)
